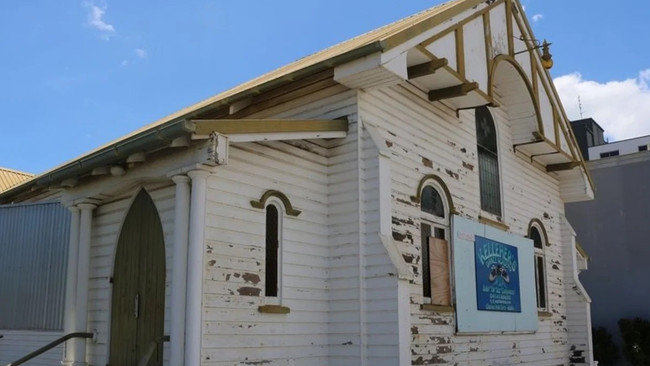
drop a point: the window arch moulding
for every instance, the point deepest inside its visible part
(537, 223)
(432, 177)
(261, 204)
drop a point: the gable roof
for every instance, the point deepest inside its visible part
(175, 124)
(10, 178)
(377, 40)
(160, 133)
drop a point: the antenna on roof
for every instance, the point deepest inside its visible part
(580, 106)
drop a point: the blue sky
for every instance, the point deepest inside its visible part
(77, 74)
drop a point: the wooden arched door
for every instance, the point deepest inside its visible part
(138, 301)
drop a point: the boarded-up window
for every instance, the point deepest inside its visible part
(33, 258)
(439, 264)
(435, 251)
(488, 161)
(272, 245)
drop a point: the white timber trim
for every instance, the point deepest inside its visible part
(385, 206)
(194, 318)
(363, 319)
(69, 316)
(404, 275)
(83, 272)
(574, 264)
(179, 269)
(404, 322)
(403, 272)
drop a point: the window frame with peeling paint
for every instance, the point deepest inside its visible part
(540, 241)
(487, 153)
(433, 225)
(280, 213)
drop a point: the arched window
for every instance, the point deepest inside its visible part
(272, 267)
(434, 230)
(276, 205)
(488, 161)
(537, 233)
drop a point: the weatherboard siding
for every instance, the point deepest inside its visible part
(427, 138)
(318, 268)
(234, 260)
(578, 308)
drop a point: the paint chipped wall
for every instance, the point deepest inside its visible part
(319, 247)
(428, 138)
(233, 328)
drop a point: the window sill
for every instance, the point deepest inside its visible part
(273, 309)
(494, 223)
(544, 314)
(438, 308)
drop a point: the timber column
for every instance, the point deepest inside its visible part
(71, 286)
(179, 269)
(83, 271)
(195, 267)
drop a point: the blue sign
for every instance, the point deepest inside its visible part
(497, 276)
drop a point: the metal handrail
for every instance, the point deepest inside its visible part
(150, 350)
(49, 346)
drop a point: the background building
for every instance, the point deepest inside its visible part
(614, 230)
(10, 177)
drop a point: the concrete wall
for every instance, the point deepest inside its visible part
(623, 147)
(614, 231)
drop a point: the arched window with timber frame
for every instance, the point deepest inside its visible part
(537, 234)
(488, 161)
(434, 230)
(272, 250)
(275, 205)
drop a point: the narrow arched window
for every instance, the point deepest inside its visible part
(431, 202)
(272, 250)
(275, 205)
(488, 161)
(434, 230)
(535, 233)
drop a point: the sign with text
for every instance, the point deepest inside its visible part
(497, 276)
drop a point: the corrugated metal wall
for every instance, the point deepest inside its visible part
(33, 257)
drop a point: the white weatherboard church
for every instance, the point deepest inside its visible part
(397, 199)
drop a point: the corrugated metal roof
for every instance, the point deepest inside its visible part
(378, 35)
(10, 178)
(380, 39)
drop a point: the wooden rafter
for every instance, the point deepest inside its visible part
(452, 91)
(426, 68)
(562, 166)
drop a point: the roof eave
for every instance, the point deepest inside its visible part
(160, 135)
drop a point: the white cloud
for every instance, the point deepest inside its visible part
(621, 107)
(141, 53)
(96, 19)
(538, 17)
